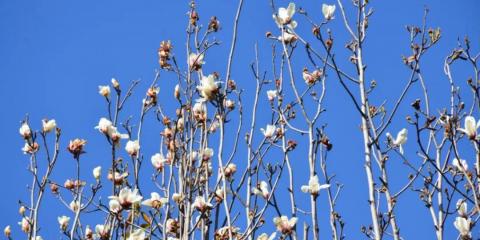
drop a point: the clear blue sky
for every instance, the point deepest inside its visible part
(55, 53)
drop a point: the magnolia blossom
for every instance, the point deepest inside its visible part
(138, 234)
(172, 225)
(270, 131)
(132, 147)
(230, 104)
(158, 161)
(208, 87)
(285, 225)
(462, 207)
(104, 125)
(328, 11)
(102, 231)
(25, 130)
(104, 90)
(230, 169)
(75, 205)
(470, 127)
(311, 78)
(287, 37)
(117, 178)
(265, 236)
(314, 186)
(207, 153)
(177, 197)
(115, 83)
(114, 206)
(63, 221)
(284, 16)
(460, 165)
(176, 92)
(400, 139)
(25, 224)
(97, 172)
(48, 125)
(155, 201)
(201, 205)
(463, 226)
(195, 61)
(262, 190)
(88, 233)
(30, 148)
(272, 94)
(126, 197)
(7, 231)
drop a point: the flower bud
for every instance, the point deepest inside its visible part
(176, 93)
(115, 84)
(7, 231)
(97, 172)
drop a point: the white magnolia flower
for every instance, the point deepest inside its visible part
(284, 16)
(126, 197)
(207, 153)
(265, 236)
(25, 224)
(262, 190)
(104, 90)
(285, 225)
(208, 87)
(7, 231)
(287, 37)
(195, 61)
(462, 225)
(102, 231)
(272, 94)
(138, 234)
(63, 221)
(462, 207)
(176, 92)
(328, 11)
(116, 177)
(38, 238)
(201, 205)
(104, 125)
(48, 125)
(114, 206)
(155, 201)
(88, 233)
(230, 104)
(270, 131)
(97, 172)
(115, 83)
(400, 139)
(470, 127)
(460, 165)
(132, 147)
(177, 197)
(115, 135)
(25, 130)
(158, 161)
(314, 186)
(75, 205)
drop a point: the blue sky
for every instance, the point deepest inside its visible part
(55, 53)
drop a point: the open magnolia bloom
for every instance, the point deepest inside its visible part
(284, 16)
(287, 37)
(470, 127)
(63, 222)
(208, 87)
(265, 236)
(463, 226)
(158, 161)
(102, 231)
(314, 186)
(126, 197)
(48, 125)
(104, 90)
(285, 225)
(195, 61)
(106, 127)
(138, 234)
(400, 139)
(114, 206)
(269, 131)
(155, 201)
(201, 205)
(132, 147)
(460, 165)
(272, 94)
(328, 11)
(25, 130)
(262, 190)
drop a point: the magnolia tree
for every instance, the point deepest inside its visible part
(205, 189)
